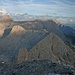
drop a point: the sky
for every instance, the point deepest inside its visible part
(64, 8)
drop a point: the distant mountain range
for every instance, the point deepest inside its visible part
(27, 17)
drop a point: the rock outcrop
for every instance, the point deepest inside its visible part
(1, 32)
(52, 47)
(17, 30)
(5, 23)
(22, 55)
(2, 28)
(7, 18)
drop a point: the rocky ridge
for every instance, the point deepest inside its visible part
(29, 41)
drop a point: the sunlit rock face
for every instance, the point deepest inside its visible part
(17, 30)
(1, 32)
(22, 55)
(7, 18)
(52, 47)
(3, 24)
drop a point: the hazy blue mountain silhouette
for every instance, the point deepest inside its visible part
(67, 30)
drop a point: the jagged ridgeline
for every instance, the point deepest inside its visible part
(34, 40)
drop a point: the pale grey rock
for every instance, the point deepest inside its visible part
(22, 55)
(52, 47)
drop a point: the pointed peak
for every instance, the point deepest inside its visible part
(7, 18)
(17, 30)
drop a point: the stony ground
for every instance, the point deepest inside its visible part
(41, 67)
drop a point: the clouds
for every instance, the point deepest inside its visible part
(60, 7)
(45, 2)
(14, 2)
(66, 3)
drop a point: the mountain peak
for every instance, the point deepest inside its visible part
(56, 21)
(7, 18)
(17, 30)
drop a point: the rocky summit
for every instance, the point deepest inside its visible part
(38, 47)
